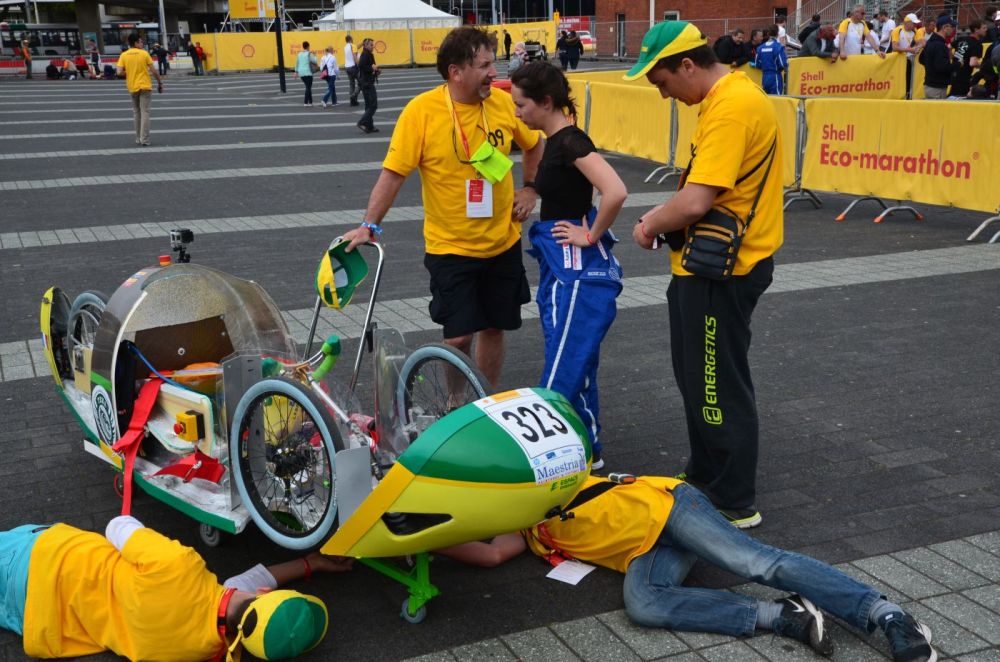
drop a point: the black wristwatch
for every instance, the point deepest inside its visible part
(530, 184)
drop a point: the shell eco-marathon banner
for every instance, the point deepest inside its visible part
(866, 147)
(243, 51)
(859, 76)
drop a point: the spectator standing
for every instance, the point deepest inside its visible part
(926, 29)
(328, 71)
(517, 59)
(574, 49)
(987, 75)
(305, 67)
(136, 65)
(968, 52)
(992, 20)
(472, 228)
(782, 36)
(886, 26)
(854, 32)
(25, 54)
(576, 302)
(750, 49)
(735, 164)
(904, 40)
(368, 72)
(820, 43)
(729, 48)
(95, 59)
(197, 54)
(772, 61)
(936, 58)
(507, 41)
(811, 27)
(351, 67)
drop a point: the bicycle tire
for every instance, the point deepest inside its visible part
(89, 304)
(285, 461)
(475, 383)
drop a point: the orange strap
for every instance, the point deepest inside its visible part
(129, 443)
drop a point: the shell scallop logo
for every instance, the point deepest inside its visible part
(248, 50)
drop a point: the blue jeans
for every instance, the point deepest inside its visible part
(331, 91)
(655, 597)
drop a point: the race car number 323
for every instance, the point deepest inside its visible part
(553, 448)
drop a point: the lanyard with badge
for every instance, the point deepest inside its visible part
(491, 164)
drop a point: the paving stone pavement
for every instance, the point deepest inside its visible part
(874, 359)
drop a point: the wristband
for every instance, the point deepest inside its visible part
(374, 229)
(530, 184)
(309, 570)
(642, 229)
(592, 242)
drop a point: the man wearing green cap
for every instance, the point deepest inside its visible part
(735, 166)
(144, 596)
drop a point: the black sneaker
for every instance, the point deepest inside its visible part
(909, 640)
(742, 518)
(597, 462)
(802, 620)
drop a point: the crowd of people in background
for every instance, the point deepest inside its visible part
(958, 64)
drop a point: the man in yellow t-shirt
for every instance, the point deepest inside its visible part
(136, 66)
(146, 597)
(853, 32)
(472, 228)
(736, 166)
(653, 529)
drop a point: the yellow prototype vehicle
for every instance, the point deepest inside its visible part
(189, 382)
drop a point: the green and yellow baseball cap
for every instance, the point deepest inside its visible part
(279, 625)
(662, 40)
(339, 274)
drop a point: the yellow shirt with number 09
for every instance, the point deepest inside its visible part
(426, 138)
(736, 125)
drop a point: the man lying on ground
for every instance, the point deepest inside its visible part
(147, 597)
(654, 528)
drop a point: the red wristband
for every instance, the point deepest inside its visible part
(642, 229)
(589, 240)
(309, 570)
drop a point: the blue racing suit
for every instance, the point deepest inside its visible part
(576, 303)
(772, 61)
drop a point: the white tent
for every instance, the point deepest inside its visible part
(387, 15)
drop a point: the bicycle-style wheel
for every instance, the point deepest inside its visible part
(84, 318)
(435, 380)
(282, 449)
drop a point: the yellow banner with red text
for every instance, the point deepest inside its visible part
(629, 119)
(859, 76)
(892, 149)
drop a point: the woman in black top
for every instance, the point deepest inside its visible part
(579, 276)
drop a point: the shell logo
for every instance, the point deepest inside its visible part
(248, 50)
(380, 47)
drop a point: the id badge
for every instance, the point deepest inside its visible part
(478, 198)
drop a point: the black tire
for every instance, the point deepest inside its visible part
(284, 440)
(84, 318)
(422, 394)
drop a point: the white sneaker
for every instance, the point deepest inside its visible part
(323, 103)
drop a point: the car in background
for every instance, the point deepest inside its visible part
(588, 41)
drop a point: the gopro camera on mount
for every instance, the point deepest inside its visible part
(179, 240)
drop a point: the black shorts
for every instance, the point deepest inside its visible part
(469, 294)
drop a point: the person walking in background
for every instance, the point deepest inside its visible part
(351, 67)
(507, 41)
(136, 66)
(161, 58)
(368, 72)
(576, 296)
(772, 63)
(735, 166)
(305, 67)
(561, 50)
(328, 71)
(25, 54)
(95, 59)
(574, 49)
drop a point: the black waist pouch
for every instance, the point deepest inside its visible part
(712, 244)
